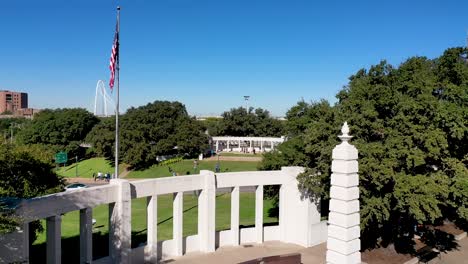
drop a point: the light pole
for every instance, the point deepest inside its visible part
(246, 98)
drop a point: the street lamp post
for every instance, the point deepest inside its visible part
(76, 167)
(246, 98)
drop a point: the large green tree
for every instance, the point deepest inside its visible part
(25, 172)
(251, 122)
(156, 129)
(410, 125)
(60, 129)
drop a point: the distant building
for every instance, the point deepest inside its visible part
(12, 101)
(15, 104)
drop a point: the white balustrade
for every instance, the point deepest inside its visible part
(299, 216)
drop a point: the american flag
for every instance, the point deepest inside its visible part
(114, 58)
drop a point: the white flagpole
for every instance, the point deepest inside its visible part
(116, 175)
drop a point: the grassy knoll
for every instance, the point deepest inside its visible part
(70, 222)
(186, 167)
(86, 168)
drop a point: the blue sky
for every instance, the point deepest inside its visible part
(208, 54)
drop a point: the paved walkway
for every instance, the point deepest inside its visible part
(456, 256)
(312, 255)
(251, 251)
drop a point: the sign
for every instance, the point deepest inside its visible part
(61, 157)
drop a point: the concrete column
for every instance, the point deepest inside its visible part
(251, 149)
(228, 146)
(217, 146)
(151, 249)
(207, 213)
(272, 145)
(299, 219)
(343, 243)
(235, 215)
(178, 223)
(261, 145)
(86, 235)
(54, 239)
(120, 227)
(259, 214)
(240, 150)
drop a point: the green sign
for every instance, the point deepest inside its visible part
(61, 157)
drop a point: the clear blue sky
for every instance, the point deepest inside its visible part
(207, 54)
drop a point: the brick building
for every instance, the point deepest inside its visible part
(12, 101)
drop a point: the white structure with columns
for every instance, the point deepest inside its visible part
(343, 243)
(248, 144)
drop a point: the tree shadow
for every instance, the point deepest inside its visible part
(440, 240)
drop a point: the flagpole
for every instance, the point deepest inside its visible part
(116, 175)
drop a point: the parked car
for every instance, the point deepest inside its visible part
(75, 186)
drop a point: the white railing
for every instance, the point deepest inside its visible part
(299, 219)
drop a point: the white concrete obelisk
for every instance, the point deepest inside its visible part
(343, 243)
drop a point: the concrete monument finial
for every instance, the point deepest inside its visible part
(345, 137)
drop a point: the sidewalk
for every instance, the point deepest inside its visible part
(251, 251)
(312, 255)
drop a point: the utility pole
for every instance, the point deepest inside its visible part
(76, 167)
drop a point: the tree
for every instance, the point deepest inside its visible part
(60, 129)
(243, 122)
(24, 173)
(156, 129)
(410, 126)
(102, 138)
(14, 124)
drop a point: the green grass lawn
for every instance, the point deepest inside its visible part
(86, 168)
(239, 154)
(186, 167)
(70, 222)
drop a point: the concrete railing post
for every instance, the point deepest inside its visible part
(343, 243)
(235, 216)
(207, 212)
(120, 227)
(259, 214)
(151, 250)
(86, 235)
(54, 239)
(299, 219)
(178, 223)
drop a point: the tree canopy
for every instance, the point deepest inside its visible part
(60, 129)
(24, 173)
(410, 125)
(242, 122)
(156, 129)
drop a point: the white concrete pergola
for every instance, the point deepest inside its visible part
(248, 144)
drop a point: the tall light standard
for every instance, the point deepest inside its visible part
(247, 98)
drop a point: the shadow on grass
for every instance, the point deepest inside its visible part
(71, 249)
